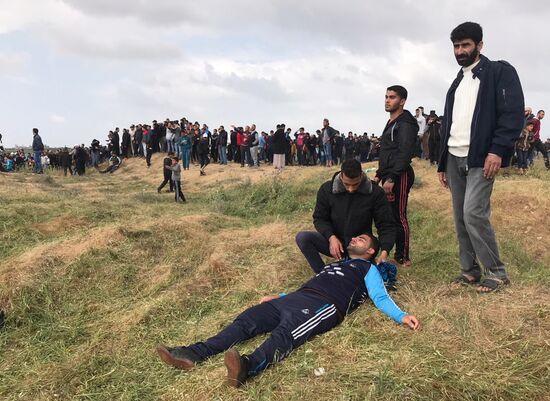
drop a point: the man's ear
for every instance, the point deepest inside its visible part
(371, 252)
(479, 46)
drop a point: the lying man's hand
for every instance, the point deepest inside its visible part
(268, 298)
(411, 321)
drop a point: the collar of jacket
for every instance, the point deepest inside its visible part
(338, 186)
(477, 70)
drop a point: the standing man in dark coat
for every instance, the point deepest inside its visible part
(37, 148)
(483, 120)
(138, 139)
(434, 127)
(80, 160)
(65, 161)
(395, 172)
(222, 145)
(115, 141)
(126, 143)
(278, 146)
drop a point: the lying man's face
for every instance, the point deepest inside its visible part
(361, 246)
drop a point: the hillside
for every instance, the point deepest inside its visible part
(97, 270)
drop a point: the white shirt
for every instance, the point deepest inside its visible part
(421, 120)
(463, 113)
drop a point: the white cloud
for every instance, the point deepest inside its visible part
(264, 60)
(57, 119)
(13, 64)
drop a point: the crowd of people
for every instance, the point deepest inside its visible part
(197, 144)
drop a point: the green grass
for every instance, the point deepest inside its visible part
(84, 326)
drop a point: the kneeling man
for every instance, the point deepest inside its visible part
(318, 306)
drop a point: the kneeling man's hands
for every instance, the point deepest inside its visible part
(411, 321)
(335, 246)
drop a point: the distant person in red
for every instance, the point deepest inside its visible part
(537, 144)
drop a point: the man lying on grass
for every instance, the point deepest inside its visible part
(318, 306)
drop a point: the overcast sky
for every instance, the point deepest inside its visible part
(78, 68)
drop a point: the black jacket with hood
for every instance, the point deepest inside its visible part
(397, 145)
(346, 215)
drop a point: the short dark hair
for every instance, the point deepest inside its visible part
(35, 130)
(540, 111)
(374, 243)
(351, 168)
(467, 30)
(401, 91)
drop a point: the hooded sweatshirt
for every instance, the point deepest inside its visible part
(397, 145)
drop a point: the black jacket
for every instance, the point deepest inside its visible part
(223, 138)
(397, 145)
(279, 142)
(498, 115)
(346, 215)
(37, 145)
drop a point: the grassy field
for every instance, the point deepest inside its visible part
(97, 270)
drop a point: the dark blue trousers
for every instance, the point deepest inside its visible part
(291, 320)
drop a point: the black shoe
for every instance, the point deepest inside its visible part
(158, 190)
(178, 357)
(237, 368)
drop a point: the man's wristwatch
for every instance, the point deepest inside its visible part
(389, 180)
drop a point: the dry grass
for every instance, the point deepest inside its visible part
(96, 270)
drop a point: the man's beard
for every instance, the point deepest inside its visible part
(468, 60)
(356, 250)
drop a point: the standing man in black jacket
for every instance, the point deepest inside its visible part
(483, 119)
(395, 172)
(37, 148)
(346, 207)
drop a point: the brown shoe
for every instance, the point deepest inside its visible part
(237, 368)
(180, 357)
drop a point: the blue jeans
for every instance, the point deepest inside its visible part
(37, 161)
(327, 147)
(223, 154)
(185, 157)
(522, 158)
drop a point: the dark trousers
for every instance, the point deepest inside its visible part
(538, 145)
(312, 244)
(399, 199)
(167, 180)
(204, 160)
(65, 168)
(177, 192)
(246, 157)
(149, 154)
(291, 320)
